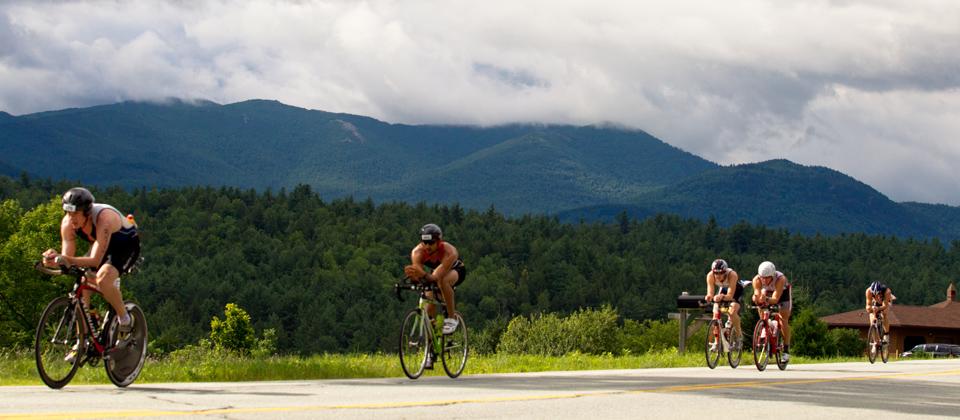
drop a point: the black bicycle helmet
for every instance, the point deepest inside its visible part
(77, 199)
(430, 233)
(876, 288)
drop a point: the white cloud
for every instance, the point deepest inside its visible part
(732, 81)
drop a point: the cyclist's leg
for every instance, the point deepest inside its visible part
(886, 323)
(446, 288)
(108, 281)
(734, 315)
(785, 314)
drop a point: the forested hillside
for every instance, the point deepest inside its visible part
(320, 271)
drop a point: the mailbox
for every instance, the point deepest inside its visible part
(685, 301)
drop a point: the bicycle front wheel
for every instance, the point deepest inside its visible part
(414, 343)
(712, 348)
(127, 354)
(761, 346)
(873, 343)
(59, 343)
(884, 349)
(455, 350)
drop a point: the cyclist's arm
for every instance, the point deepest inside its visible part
(757, 290)
(734, 280)
(449, 257)
(107, 223)
(869, 300)
(778, 289)
(68, 243)
(709, 295)
(886, 300)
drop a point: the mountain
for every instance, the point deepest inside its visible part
(266, 144)
(780, 193)
(589, 173)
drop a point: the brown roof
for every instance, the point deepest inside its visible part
(945, 314)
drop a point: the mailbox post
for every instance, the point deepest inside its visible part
(688, 304)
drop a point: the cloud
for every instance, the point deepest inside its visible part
(735, 81)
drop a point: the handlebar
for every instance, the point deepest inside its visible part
(406, 283)
(772, 308)
(62, 270)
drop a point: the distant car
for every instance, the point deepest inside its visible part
(935, 350)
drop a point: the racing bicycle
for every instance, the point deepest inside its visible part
(421, 338)
(70, 335)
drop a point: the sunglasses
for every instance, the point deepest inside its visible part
(429, 242)
(719, 272)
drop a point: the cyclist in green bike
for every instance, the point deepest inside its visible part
(446, 269)
(114, 250)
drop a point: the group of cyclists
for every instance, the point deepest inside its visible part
(771, 287)
(115, 249)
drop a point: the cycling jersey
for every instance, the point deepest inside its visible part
(724, 285)
(434, 259)
(124, 248)
(769, 289)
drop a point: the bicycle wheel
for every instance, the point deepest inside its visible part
(884, 349)
(736, 352)
(713, 347)
(414, 344)
(873, 343)
(58, 331)
(761, 347)
(780, 343)
(125, 357)
(455, 349)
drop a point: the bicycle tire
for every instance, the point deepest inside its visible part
(781, 362)
(455, 349)
(761, 347)
(736, 354)
(873, 340)
(126, 359)
(58, 330)
(415, 342)
(712, 346)
(884, 349)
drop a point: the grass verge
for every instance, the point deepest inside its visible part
(18, 368)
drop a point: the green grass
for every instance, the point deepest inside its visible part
(18, 368)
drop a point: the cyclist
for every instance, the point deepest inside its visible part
(114, 250)
(446, 269)
(725, 282)
(771, 287)
(879, 300)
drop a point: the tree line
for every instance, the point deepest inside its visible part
(319, 273)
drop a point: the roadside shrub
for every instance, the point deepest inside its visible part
(234, 332)
(848, 341)
(811, 336)
(586, 331)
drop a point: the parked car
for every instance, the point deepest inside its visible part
(935, 350)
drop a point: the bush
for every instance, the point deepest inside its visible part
(811, 336)
(650, 335)
(848, 341)
(586, 331)
(235, 332)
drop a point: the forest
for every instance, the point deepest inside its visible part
(320, 272)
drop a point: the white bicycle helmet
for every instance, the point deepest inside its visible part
(767, 269)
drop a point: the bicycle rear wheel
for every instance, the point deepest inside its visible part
(736, 352)
(884, 349)
(761, 347)
(414, 344)
(873, 343)
(58, 331)
(780, 343)
(126, 356)
(455, 349)
(713, 347)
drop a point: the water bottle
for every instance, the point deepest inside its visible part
(727, 324)
(773, 326)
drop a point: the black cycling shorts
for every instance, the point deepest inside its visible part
(123, 253)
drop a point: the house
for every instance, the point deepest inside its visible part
(910, 325)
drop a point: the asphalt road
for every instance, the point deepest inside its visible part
(911, 389)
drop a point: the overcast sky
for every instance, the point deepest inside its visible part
(870, 88)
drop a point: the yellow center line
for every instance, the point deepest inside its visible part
(663, 389)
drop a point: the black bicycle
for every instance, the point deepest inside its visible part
(875, 340)
(69, 335)
(421, 339)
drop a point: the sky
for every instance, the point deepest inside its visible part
(869, 88)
